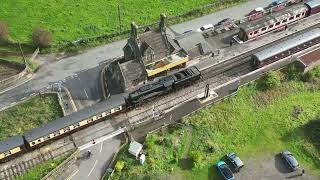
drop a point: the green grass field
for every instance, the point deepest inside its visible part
(253, 122)
(69, 20)
(29, 114)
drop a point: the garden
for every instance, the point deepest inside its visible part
(279, 111)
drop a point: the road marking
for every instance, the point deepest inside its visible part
(92, 168)
(73, 174)
(101, 146)
(85, 92)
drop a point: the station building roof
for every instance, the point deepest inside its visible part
(10, 143)
(74, 118)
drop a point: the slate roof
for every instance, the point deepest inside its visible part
(10, 143)
(190, 40)
(157, 42)
(287, 44)
(73, 118)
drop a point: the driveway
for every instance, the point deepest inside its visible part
(269, 167)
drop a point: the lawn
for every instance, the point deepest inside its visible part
(253, 122)
(70, 20)
(28, 115)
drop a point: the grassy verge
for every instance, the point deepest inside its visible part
(95, 18)
(28, 115)
(253, 122)
(42, 170)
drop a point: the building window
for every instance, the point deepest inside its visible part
(271, 26)
(291, 18)
(278, 23)
(298, 15)
(263, 29)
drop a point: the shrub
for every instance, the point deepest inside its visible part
(312, 74)
(293, 73)
(197, 158)
(41, 37)
(150, 141)
(119, 166)
(4, 31)
(270, 80)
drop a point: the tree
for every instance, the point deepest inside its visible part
(312, 74)
(4, 31)
(41, 37)
(270, 80)
(119, 166)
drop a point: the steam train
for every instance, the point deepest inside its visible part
(56, 129)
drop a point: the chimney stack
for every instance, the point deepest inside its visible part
(134, 30)
(162, 24)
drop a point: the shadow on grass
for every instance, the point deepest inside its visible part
(186, 164)
(310, 133)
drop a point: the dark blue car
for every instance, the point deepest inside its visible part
(224, 170)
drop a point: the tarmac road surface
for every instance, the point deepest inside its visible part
(67, 67)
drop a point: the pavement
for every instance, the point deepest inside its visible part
(93, 167)
(65, 68)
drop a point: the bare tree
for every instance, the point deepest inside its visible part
(41, 37)
(4, 31)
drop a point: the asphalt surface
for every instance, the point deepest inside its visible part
(68, 67)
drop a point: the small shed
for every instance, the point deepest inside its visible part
(135, 148)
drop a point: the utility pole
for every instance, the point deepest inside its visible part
(119, 16)
(23, 58)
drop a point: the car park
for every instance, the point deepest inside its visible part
(235, 161)
(205, 27)
(224, 170)
(290, 160)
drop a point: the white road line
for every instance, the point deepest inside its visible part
(85, 92)
(92, 168)
(73, 174)
(101, 146)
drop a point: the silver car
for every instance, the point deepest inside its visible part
(235, 161)
(290, 160)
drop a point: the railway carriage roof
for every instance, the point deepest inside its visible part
(287, 44)
(312, 3)
(10, 143)
(73, 118)
(272, 18)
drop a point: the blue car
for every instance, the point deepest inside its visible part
(224, 170)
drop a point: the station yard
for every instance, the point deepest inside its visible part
(28, 115)
(253, 123)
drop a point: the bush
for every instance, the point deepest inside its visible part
(119, 166)
(4, 31)
(150, 141)
(197, 158)
(270, 80)
(41, 37)
(312, 74)
(293, 73)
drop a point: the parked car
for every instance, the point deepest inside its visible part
(205, 27)
(224, 170)
(290, 160)
(235, 161)
(224, 21)
(255, 11)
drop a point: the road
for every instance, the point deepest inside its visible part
(69, 67)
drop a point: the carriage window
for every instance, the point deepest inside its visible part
(33, 143)
(278, 23)
(250, 33)
(263, 29)
(291, 18)
(39, 140)
(298, 15)
(285, 20)
(303, 13)
(256, 31)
